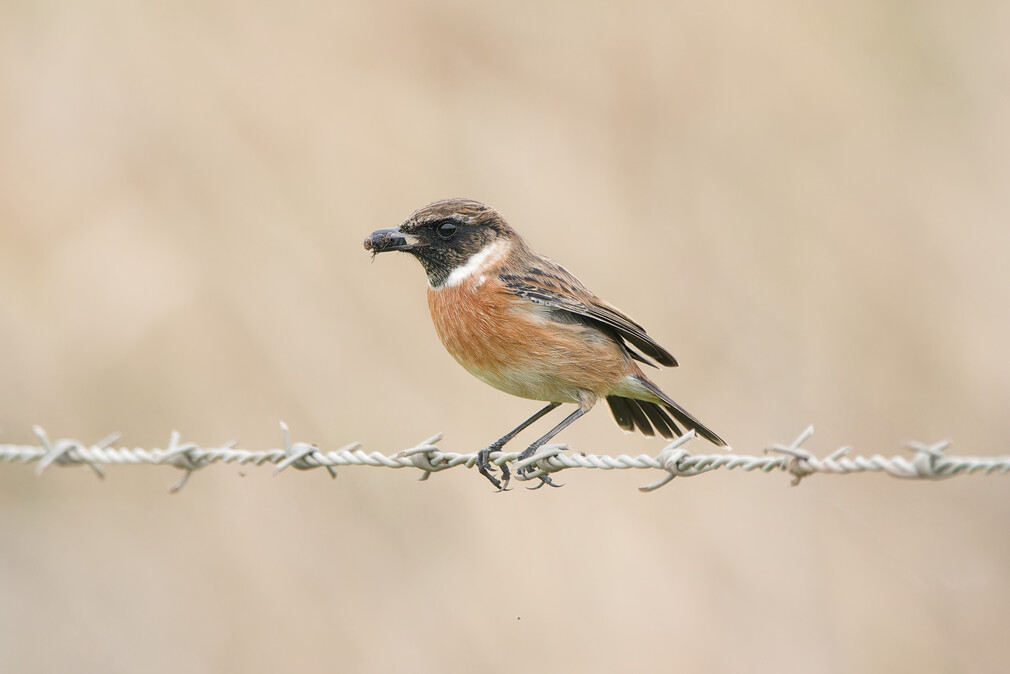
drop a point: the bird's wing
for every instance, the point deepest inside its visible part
(552, 285)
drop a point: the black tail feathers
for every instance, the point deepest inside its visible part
(631, 414)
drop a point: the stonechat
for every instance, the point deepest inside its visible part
(525, 325)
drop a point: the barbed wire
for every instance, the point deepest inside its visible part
(927, 462)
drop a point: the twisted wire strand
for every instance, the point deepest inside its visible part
(927, 462)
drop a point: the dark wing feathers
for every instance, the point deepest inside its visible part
(550, 284)
(562, 291)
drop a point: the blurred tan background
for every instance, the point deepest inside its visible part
(808, 204)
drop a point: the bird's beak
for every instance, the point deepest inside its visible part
(383, 240)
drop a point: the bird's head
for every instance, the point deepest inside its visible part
(452, 239)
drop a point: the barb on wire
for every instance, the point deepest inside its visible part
(928, 462)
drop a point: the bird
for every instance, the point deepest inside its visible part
(525, 325)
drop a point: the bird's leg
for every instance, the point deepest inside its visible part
(484, 465)
(537, 444)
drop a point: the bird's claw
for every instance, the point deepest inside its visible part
(525, 471)
(545, 479)
(486, 468)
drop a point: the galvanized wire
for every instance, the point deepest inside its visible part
(926, 462)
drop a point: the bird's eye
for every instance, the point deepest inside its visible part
(446, 230)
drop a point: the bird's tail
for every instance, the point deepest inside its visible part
(632, 413)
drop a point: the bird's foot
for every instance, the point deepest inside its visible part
(486, 468)
(545, 478)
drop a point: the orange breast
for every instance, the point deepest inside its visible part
(509, 343)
